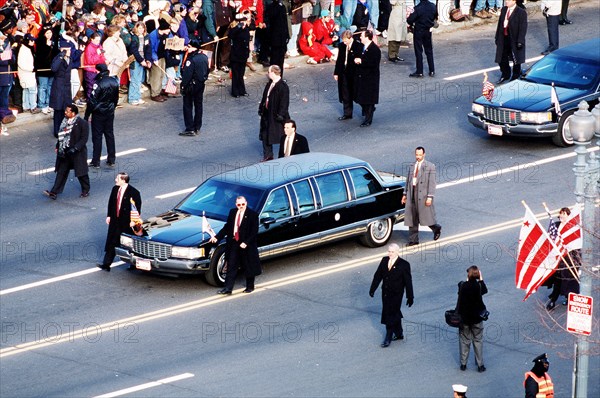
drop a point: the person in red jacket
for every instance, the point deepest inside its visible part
(325, 29)
(316, 51)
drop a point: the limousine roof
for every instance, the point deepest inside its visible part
(589, 49)
(276, 172)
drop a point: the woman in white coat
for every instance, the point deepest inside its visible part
(27, 74)
(397, 29)
(115, 50)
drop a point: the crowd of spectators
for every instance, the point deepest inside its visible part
(130, 37)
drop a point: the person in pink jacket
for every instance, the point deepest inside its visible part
(94, 55)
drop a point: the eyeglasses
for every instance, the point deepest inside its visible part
(240, 204)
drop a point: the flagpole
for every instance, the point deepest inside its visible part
(566, 249)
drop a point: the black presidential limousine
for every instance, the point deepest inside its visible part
(303, 201)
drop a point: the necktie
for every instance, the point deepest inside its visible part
(288, 146)
(506, 22)
(416, 174)
(269, 93)
(346, 58)
(238, 221)
(119, 196)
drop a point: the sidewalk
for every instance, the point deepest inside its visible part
(217, 78)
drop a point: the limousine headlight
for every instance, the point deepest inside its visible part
(126, 241)
(536, 117)
(476, 108)
(187, 252)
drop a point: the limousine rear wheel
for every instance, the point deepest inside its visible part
(378, 233)
(215, 276)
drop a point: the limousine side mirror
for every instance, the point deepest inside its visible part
(267, 221)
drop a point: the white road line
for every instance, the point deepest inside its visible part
(495, 173)
(146, 385)
(118, 154)
(480, 71)
(55, 279)
(176, 193)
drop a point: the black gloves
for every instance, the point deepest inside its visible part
(371, 294)
(410, 302)
(71, 151)
(519, 46)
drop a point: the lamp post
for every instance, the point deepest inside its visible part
(583, 124)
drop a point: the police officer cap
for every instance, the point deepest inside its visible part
(195, 43)
(459, 388)
(541, 358)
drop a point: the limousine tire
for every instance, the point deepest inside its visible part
(563, 136)
(215, 276)
(378, 233)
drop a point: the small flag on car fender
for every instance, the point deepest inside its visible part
(554, 100)
(488, 88)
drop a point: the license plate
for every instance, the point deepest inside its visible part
(494, 130)
(143, 264)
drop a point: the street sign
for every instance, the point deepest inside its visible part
(579, 314)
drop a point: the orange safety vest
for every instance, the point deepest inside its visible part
(545, 386)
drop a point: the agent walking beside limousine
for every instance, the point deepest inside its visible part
(418, 198)
(395, 274)
(241, 248)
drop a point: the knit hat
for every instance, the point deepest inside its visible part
(324, 13)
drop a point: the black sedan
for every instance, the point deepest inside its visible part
(524, 107)
(303, 201)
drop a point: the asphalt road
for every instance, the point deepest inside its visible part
(310, 329)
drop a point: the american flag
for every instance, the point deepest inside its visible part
(135, 217)
(537, 257)
(488, 88)
(170, 88)
(554, 100)
(206, 228)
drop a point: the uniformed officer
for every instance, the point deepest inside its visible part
(194, 73)
(538, 383)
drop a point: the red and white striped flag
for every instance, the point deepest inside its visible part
(170, 88)
(537, 257)
(569, 232)
(206, 228)
(554, 100)
(488, 88)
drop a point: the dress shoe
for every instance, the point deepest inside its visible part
(104, 267)
(502, 80)
(463, 367)
(415, 75)
(385, 343)
(95, 165)
(412, 243)
(431, 74)
(481, 369)
(110, 164)
(196, 132)
(266, 159)
(50, 194)
(248, 290)
(437, 232)
(225, 292)
(344, 117)
(84, 194)
(187, 133)
(545, 52)
(365, 124)
(251, 66)
(550, 306)
(401, 337)
(396, 59)
(157, 98)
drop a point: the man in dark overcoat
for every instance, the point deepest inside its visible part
(366, 80)
(344, 71)
(418, 198)
(60, 93)
(394, 271)
(273, 111)
(276, 18)
(118, 216)
(71, 153)
(510, 40)
(241, 230)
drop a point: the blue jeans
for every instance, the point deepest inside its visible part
(44, 85)
(4, 91)
(30, 98)
(136, 75)
(480, 5)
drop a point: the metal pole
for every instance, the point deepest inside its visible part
(587, 191)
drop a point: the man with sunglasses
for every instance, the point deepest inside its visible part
(241, 231)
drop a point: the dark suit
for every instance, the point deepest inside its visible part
(240, 50)
(507, 46)
(366, 81)
(119, 224)
(273, 114)
(423, 19)
(76, 161)
(235, 256)
(299, 145)
(344, 70)
(395, 281)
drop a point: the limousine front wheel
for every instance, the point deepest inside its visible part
(215, 275)
(378, 233)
